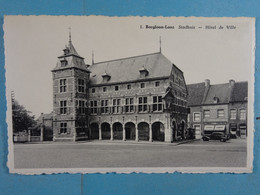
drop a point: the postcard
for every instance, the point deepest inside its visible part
(97, 94)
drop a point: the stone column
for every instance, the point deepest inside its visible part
(150, 133)
(136, 132)
(111, 132)
(99, 132)
(73, 130)
(124, 132)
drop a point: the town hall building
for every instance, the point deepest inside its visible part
(141, 98)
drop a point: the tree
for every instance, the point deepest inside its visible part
(21, 118)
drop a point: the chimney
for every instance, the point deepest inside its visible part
(207, 82)
(231, 83)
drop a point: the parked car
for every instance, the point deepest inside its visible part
(216, 136)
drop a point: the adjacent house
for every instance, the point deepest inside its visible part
(218, 108)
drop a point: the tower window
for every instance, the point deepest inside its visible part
(93, 90)
(63, 107)
(63, 85)
(64, 62)
(63, 128)
(104, 89)
(81, 107)
(142, 85)
(129, 86)
(116, 88)
(157, 83)
(93, 106)
(81, 87)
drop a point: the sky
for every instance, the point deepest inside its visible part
(33, 43)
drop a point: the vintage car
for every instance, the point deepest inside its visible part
(216, 136)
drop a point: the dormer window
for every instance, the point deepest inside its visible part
(66, 51)
(64, 62)
(215, 100)
(143, 72)
(106, 77)
(157, 84)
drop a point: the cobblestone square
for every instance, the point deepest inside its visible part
(121, 154)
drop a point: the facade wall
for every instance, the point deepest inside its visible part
(72, 96)
(164, 117)
(196, 124)
(238, 124)
(67, 96)
(214, 119)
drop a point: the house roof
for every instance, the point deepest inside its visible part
(45, 116)
(239, 92)
(199, 94)
(127, 69)
(195, 93)
(221, 91)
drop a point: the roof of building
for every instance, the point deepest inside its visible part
(195, 93)
(45, 116)
(239, 92)
(199, 94)
(72, 58)
(220, 91)
(127, 69)
(72, 49)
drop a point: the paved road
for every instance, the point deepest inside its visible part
(116, 154)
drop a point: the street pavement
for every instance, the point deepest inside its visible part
(94, 154)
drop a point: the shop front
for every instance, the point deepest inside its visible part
(243, 130)
(214, 127)
(233, 130)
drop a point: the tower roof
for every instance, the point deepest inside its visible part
(70, 59)
(70, 50)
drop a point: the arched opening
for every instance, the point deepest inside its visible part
(105, 129)
(143, 131)
(117, 131)
(158, 131)
(94, 131)
(130, 131)
(174, 130)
